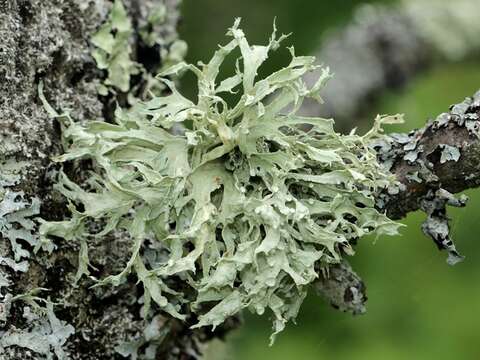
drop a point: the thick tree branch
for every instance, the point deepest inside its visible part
(430, 163)
(427, 159)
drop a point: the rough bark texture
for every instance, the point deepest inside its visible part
(48, 41)
(431, 164)
(421, 152)
(44, 40)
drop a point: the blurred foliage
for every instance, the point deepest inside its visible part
(419, 307)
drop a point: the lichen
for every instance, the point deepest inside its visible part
(15, 223)
(45, 334)
(240, 205)
(18, 234)
(113, 49)
(44, 41)
(436, 224)
(18, 231)
(449, 153)
(343, 288)
(430, 163)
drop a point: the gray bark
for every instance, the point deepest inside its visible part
(431, 164)
(48, 41)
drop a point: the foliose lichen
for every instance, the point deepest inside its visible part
(17, 229)
(43, 333)
(113, 49)
(436, 225)
(240, 205)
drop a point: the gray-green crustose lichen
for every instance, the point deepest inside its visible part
(239, 205)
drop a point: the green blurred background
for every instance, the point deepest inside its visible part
(419, 307)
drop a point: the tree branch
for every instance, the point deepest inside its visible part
(430, 164)
(342, 288)
(445, 154)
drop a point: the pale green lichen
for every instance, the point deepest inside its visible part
(18, 235)
(151, 338)
(156, 17)
(44, 334)
(16, 224)
(240, 204)
(113, 49)
(449, 153)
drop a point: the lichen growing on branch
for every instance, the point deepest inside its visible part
(113, 50)
(236, 202)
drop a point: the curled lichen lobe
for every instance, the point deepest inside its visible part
(238, 203)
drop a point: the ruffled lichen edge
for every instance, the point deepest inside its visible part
(238, 202)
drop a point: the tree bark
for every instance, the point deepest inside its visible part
(48, 41)
(431, 164)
